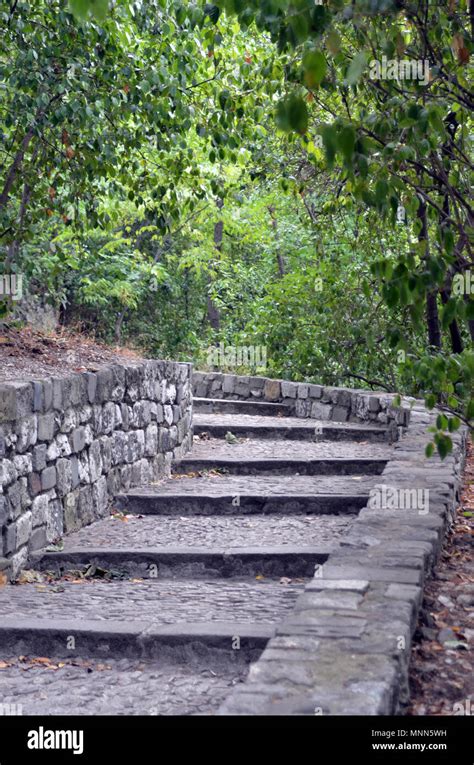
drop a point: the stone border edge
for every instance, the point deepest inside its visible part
(345, 648)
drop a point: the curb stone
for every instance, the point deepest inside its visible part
(345, 648)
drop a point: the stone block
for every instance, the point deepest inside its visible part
(23, 529)
(55, 521)
(72, 520)
(34, 484)
(48, 478)
(339, 414)
(91, 383)
(64, 476)
(320, 411)
(8, 472)
(38, 539)
(289, 389)
(39, 457)
(78, 439)
(95, 461)
(27, 432)
(46, 427)
(39, 510)
(272, 390)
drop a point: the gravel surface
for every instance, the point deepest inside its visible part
(117, 687)
(243, 420)
(210, 531)
(286, 485)
(163, 602)
(267, 449)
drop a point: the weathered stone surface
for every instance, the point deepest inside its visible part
(39, 457)
(48, 478)
(3, 512)
(78, 439)
(72, 519)
(39, 510)
(78, 443)
(27, 432)
(23, 529)
(272, 390)
(69, 421)
(38, 539)
(8, 406)
(8, 472)
(289, 389)
(64, 476)
(320, 411)
(34, 484)
(95, 461)
(46, 427)
(55, 521)
(91, 380)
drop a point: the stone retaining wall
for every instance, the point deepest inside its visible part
(68, 445)
(345, 649)
(322, 402)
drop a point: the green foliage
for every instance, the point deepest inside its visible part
(132, 131)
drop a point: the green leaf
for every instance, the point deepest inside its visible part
(328, 134)
(356, 68)
(441, 422)
(292, 114)
(213, 11)
(429, 450)
(445, 446)
(454, 423)
(315, 67)
(80, 8)
(346, 141)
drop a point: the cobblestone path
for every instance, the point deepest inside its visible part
(160, 608)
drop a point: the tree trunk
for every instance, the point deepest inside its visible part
(456, 340)
(432, 317)
(280, 260)
(213, 315)
(14, 168)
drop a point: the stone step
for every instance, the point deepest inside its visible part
(133, 686)
(188, 562)
(141, 617)
(111, 638)
(241, 495)
(230, 406)
(265, 449)
(211, 532)
(254, 466)
(291, 428)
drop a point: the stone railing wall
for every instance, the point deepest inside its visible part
(345, 649)
(304, 399)
(67, 446)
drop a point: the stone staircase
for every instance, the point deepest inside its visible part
(161, 608)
